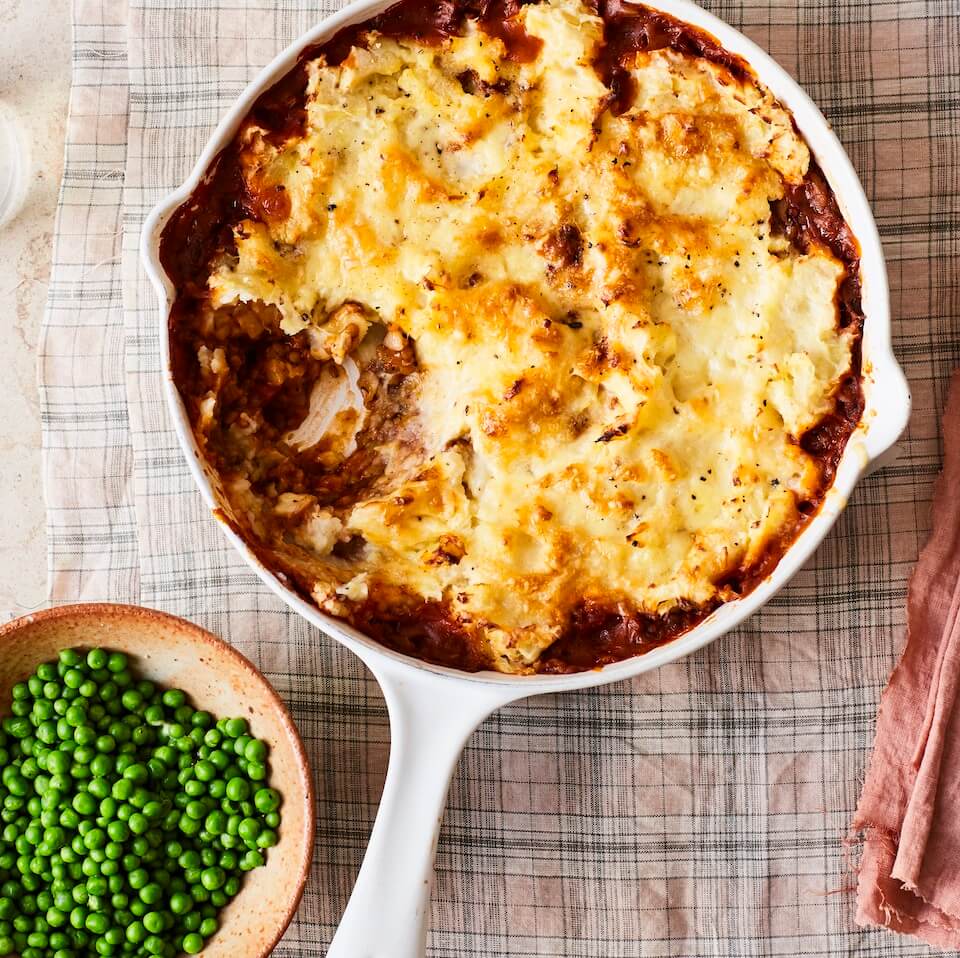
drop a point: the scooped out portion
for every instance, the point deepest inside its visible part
(520, 338)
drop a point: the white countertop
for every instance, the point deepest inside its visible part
(35, 82)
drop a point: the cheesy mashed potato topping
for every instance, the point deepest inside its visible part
(544, 354)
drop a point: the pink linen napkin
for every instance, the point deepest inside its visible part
(909, 812)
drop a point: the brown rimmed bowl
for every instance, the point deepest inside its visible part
(179, 654)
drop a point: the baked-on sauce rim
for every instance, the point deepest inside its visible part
(808, 214)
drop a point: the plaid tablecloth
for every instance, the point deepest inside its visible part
(697, 811)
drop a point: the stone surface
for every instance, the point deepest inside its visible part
(35, 83)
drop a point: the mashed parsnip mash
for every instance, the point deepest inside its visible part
(513, 355)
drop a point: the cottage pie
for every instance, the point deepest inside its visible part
(520, 337)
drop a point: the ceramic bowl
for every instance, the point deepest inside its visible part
(176, 653)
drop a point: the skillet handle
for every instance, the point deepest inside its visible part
(431, 717)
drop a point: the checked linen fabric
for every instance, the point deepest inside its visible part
(698, 811)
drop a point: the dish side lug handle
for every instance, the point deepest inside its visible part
(886, 458)
(431, 718)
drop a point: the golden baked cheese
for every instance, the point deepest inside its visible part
(611, 354)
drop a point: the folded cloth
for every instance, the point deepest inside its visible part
(908, 817)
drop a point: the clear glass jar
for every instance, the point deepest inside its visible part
(14, 164)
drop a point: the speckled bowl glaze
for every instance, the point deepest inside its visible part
(176, 653)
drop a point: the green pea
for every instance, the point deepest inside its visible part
(101, 766)
(153, 921)
(173, 698)
(76, 715)
(249, 829)
(194, 789)
(113, 851)
(189, 826)
(235, 727)
(266, 800)
(192, 943)
(119, 731)
(205, 771)
(166, 755)
(151, 893)
(118, 831)
(116, 662)
(136, 773)
(215, 822)
(183, 714)
(58, 763)
(238, 789)
(17, 727)
(153, 714)
(99, 788)
(84, 803)
(180, 903)
(47, 732)
(154, 945)
(97, 659)
(97, 885)
(139, 824)
(95, 838)
(219, 758)
(122, 789)
(142, 735)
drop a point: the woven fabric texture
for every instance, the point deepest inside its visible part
(697, 811)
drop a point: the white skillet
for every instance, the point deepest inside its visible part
(433, 709)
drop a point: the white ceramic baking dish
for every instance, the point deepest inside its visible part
(434, 709)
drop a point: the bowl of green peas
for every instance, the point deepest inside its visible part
(155, 796)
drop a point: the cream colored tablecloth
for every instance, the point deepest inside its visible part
(700, 810)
